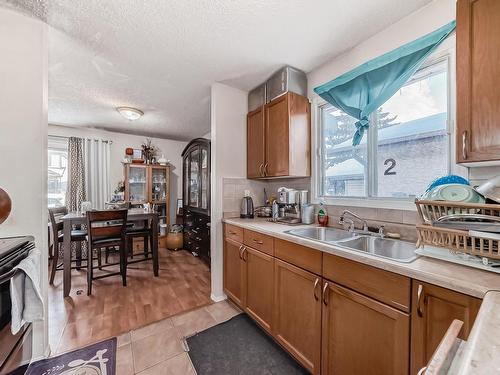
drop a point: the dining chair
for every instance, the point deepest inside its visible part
(78, 236)
(144, 231)
(106, 229)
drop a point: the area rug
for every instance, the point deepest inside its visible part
(96, 359)
(239, 346)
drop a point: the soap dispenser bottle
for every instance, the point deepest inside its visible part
(322, 215)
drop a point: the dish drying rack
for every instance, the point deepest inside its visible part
(483, 246)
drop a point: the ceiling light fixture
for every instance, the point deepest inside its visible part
(130, 113)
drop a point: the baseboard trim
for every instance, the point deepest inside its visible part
(218, 298)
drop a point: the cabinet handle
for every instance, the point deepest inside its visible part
(265, 169)
(243, 254)
(420, 291)
(240, 252)
(257, 241)
(464, 144)
(261, 169)
(316, 283)
(422, 370)
(325, 295)
(232, 233)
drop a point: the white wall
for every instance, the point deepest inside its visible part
(23, 138)
(228, 110)
(171, 149)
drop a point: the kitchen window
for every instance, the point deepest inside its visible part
(406, 146)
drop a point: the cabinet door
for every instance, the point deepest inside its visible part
(159, 184)
(361, 335)
(205, 178)
(233, 271)
(136, 187)
(297, 313)
(255, 143)
(258, 282)
(194, 178)
(277, 137)
(433, 310)
(478, 97)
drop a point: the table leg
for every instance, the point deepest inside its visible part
(154, 250)
(67, 258)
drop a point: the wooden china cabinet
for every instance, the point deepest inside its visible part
(196, 197)
(148, 183)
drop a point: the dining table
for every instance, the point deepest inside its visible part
(78, 218)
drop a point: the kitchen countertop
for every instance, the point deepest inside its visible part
(480, 354)
(467, 280)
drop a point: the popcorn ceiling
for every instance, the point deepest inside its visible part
(161, 56)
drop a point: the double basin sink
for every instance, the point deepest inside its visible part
(386, 248)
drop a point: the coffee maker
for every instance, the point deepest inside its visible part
(289, 205)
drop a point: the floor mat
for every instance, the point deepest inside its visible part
(239, 347)
(94, 359)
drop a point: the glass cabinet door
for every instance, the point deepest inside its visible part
(194, 178)
(159, 184)
(204, 179)
(185, 184)
(137, 181)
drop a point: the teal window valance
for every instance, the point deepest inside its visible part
(362, 90)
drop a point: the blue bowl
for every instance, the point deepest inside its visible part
(450, 179)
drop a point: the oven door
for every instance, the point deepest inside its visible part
(15, 350)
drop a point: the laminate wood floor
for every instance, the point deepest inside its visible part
(183, 284)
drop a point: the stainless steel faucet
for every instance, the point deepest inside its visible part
(342, 220)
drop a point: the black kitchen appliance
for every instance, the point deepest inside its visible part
(15, 350)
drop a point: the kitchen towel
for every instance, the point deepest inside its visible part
(27, 303)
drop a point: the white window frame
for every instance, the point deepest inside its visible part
(440, 55)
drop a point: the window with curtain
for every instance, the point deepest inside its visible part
(57, 172)
(405, 146)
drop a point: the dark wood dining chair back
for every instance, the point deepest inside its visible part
(106, 229)
(78, 236)
(55, 216)
(106, 225)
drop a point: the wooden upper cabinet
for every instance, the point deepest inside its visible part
(297, 313)
(362, 336)
(478, 79)
(255, 144)
(233, 271)
(279, 138)
(433, 310)
(258, 282)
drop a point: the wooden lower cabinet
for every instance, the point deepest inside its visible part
(362, 336)
(232, 273)
(433, 310)
(297, 313)
(258, 282)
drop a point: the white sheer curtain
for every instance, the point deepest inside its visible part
(97, 184)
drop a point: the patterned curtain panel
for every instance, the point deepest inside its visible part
(76, 192)
(97, 184)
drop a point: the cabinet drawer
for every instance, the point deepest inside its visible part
(384, 286)
(233, 232)
(300, 256)
(258, 241)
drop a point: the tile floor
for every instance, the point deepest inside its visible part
(159, 348)
(183, 284)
